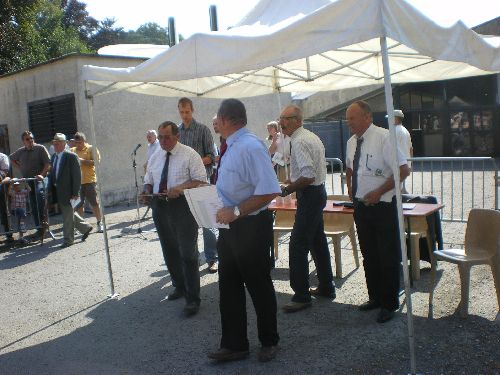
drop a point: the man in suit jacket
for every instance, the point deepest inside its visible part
(64, 181)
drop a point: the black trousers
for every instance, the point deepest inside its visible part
(308, 234)
(244, 261)
(178, 233)
(3, 208)
(378, 235)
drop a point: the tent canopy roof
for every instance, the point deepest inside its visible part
(313, 47)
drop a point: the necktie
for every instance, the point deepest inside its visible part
(54, 169)
(223, 148)
(164, 175)
(355, 166)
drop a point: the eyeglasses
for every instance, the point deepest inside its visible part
(283, 118)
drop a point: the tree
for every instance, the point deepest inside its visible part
(76, 15)
(149, 33)
(107, 34)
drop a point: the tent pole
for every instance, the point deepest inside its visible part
(397, 187)
(90, 106)
(276, 85)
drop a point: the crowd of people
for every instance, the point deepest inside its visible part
(248, 175)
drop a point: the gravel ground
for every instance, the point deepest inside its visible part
(56, 317)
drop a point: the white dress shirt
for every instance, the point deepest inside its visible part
(375, 161)
(153, 147)
(184, 165)
(404, 141)
(307, 157)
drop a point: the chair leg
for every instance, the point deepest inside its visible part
(432, 286)
(415, 256)
(337, 243)
(354, 245)
(495, 270)
(464, 271)
(276, 252)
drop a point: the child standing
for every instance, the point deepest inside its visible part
(18, 196)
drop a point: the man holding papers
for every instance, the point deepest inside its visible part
(246, 184)
(64, 180)
(169, 171)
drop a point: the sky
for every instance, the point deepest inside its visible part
(191, 16)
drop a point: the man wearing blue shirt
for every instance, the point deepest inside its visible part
(246, 184)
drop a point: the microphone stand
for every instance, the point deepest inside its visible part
(140, 231)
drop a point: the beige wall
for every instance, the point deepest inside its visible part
(121, 118)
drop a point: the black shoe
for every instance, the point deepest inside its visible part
(191, 309)
(369, 305)
(176, 294)
(267, 353)
(226, 355)
(65, 245)
(9, 239)
(384, 315)
(292, 306)
(213, 266)
(319, 292)
(86, 234)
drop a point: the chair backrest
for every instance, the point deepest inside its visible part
(483, 231)
(335, 221)
(284, 218)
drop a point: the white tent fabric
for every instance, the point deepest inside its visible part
(133, 50)
(336, 46)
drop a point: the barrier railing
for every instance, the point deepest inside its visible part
(460, 183)
(335, 170)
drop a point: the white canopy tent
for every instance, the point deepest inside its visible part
(290, 46)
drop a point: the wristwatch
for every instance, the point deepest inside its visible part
(237, 212)
(284, 192)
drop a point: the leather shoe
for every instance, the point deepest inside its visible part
(327, 293)
(384, 315)
(176, 294)
(226, 355)
(191, 309)
(65, 245)
(292, 306)
(213, 267)
(267, 353)
(86, 234)
(369, 305)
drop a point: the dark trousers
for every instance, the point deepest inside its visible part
(244, 261)
(378, 236)
(308, 234)
(178, 233)
(37, 201)
(3, 208)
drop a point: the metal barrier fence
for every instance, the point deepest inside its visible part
(460, 183)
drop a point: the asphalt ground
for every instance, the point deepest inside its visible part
(57, 318)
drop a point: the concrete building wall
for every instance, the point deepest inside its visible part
(121, 119)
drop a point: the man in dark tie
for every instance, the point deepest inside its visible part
(370, 184)
(64, 180)
(169, 172)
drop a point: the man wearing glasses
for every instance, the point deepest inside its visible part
(34, 161)
(307, 180)
(370, 183)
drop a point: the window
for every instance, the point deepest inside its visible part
(53, 115)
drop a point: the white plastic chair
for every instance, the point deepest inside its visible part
(481, 246)
(338, 226)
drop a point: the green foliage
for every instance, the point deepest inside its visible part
(34, 31)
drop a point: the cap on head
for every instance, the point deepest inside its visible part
(397, 113)
(59, 137)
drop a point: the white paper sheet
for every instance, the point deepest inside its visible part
(204, 202)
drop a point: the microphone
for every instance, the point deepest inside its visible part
(136, 148)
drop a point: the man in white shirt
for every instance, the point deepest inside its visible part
(404, 139)
(308, 173)
(153, 145)
(370, 183)
(170, 171)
